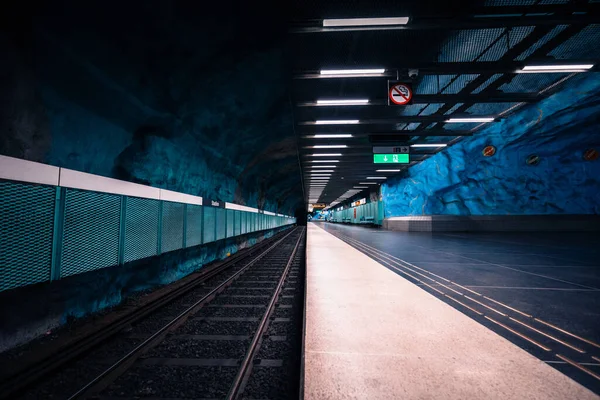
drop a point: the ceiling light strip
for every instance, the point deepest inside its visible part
(470, 119)
(337, 122)
(342, 102)
(345, 22)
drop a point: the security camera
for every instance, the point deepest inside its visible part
(413, 73)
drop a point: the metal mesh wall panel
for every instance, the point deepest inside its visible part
(27, 216)
(194, 225)
(220, 221)
(209, 224)
(172, 226)
(231, 222)
(244, 218)
(91, 231)
(141, 228)
(238, 223)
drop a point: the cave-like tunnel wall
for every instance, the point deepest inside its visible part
(180, 97)
(461, 181)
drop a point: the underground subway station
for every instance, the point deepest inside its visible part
(304, 199)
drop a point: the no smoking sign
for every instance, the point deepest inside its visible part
(400, 93)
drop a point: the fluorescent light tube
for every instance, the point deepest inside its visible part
(337, 122)
(326, 154)
(429, 145)
(554, 68)
(376, 177)
(339, 22)
(342, 72)
(388, 170)
(325, 161)
(329, 146)
(368, 183)
(349, 102)
(333, 135)
(361, 187)
(323, 166)
(473, 119)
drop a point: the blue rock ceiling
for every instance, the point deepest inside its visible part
(165, 96)
(461, 181)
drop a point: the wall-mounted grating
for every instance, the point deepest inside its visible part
(221, 224)
(230, 222)
(49, 232)
(244, 222)
(91, 231)
(27, 220)
(194, 225)
(141, 228)
(238, 223)
(172, 226)
(209, 224)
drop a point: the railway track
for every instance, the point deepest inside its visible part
(230, 334)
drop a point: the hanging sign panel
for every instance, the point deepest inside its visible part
(391, 158)
(400, 93)
(390, 149)
(359, 202)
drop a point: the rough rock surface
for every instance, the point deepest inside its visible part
(461, 181)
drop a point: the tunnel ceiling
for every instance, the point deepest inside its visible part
(467, 54)
(185, 96)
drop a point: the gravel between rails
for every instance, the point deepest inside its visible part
(189, 348)
(173, 382)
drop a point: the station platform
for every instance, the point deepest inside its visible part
(381, 327)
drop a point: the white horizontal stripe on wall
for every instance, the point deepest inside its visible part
(81, 180)
(16, 169)
(413, 218)
(239, 207)
(169, 195)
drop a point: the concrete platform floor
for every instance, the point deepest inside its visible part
(372, 334)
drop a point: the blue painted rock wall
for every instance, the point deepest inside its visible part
(461, 181)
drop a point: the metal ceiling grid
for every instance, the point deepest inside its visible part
(468, 67)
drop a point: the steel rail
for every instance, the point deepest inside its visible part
(95, 384)
(244, 371)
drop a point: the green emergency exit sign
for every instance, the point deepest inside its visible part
(390, 158)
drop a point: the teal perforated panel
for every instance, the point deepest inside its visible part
(220, 221)
(209, 224)
(26, 223)
(141, 228)
(194, 225)
(230, 222)
(238, 223)
(244, 222)
(91, 231)
(172, 226)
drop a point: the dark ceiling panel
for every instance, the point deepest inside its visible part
(467, 66)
